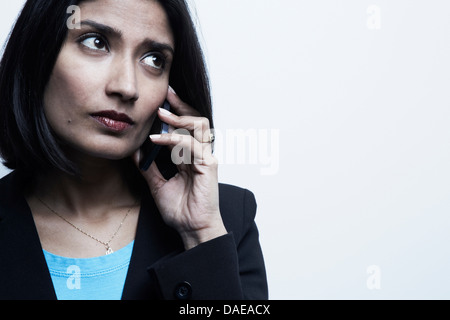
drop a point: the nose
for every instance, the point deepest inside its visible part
(122, 80)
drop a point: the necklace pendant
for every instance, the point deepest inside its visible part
(109, 250)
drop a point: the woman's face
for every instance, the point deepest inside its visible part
(110, 78)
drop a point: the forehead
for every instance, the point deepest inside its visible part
(136, 19)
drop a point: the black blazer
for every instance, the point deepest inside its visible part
(229, 267)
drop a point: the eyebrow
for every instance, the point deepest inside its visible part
(113, 32)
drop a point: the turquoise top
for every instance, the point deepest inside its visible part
(99, 278)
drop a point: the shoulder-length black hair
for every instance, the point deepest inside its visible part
(27, 142)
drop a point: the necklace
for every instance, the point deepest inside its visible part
(107, 245)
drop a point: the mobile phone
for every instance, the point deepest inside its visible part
(149, 150)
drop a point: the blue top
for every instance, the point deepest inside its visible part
(99, 278)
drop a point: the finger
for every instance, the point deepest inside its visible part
(198, 126)
(153, 176)
(185, 149)
(180, 107)
(201, 128)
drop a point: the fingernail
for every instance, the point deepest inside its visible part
(155, 136)
(171, 90)
(166, 112)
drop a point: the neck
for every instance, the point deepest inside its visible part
(101, 185)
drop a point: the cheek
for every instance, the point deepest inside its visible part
(65, 88)
(148, 113)
(67, 94)
(152, 95)
(65, 106)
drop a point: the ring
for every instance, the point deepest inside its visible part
(212, 138)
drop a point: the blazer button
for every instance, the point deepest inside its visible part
(183, 291)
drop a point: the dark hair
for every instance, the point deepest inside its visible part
(27, 142)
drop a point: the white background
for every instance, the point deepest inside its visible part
(362, 111)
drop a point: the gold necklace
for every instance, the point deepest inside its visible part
(107, 245)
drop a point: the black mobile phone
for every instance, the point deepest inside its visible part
(149, 150)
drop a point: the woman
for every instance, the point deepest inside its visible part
(78, 219)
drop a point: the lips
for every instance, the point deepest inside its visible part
(113, 120)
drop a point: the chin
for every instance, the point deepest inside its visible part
(106, 151)
(114, 155)
(95, 147)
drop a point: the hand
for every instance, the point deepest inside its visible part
(188, 202)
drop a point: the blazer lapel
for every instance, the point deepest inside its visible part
(154, 240)
(24, 273)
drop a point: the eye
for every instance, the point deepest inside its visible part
(95, 43)
(155, 60)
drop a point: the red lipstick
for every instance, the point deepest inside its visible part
(113, 120)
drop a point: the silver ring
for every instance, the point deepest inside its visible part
(212, 138)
